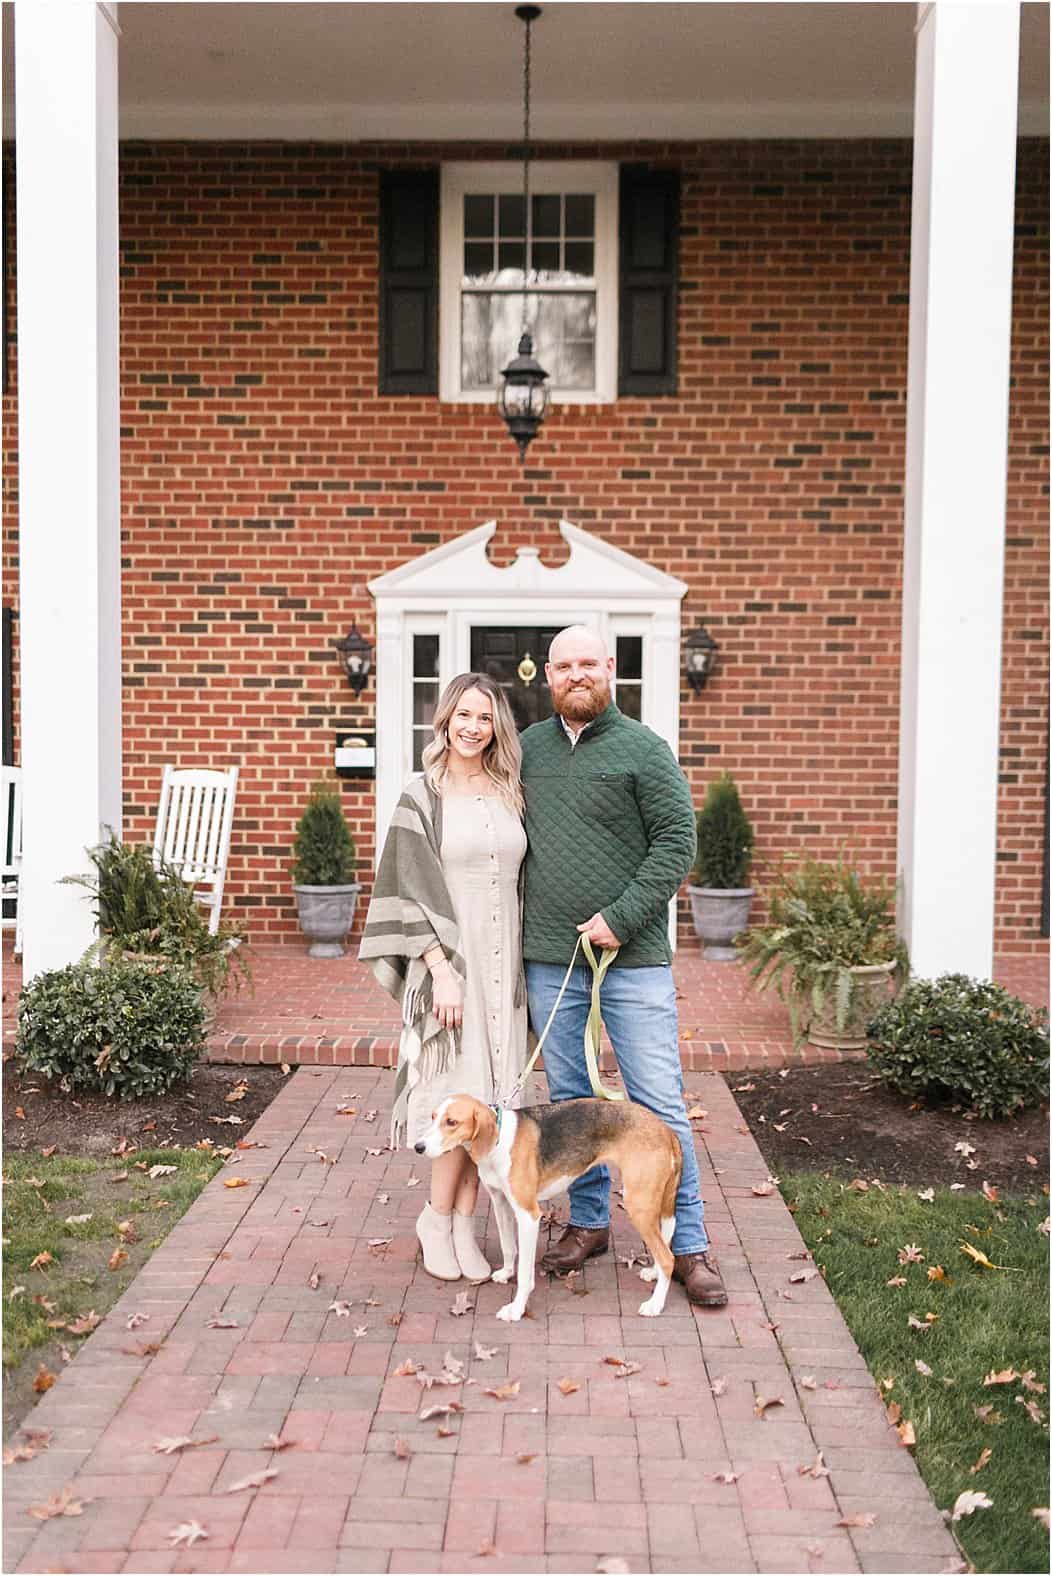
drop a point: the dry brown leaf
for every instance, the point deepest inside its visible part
(969, 1502)
(1041, 1514)
(979, 1257)
(254, 1480)
(1000, 1376)
(61, 1504)
(219, 1322)
(894, 1412)
(277, 1442)
(924, 1325)
(612, 1565)
(726, 1477)
(697, 1113)
(991, 1193)
(569, 1386)
(911, 1254)
(626, 1369)
(764, 1403)
(77, 1220)
(407, 1369)
(52, 1148)
(862, 1518)
(186, 1534)
(922, 1368)
(442, 1432)
(988, 1414)
(802, 1275)
(1029, 1382)
(462, 1304)
(402, 1450)
(984, 1456)
(235, 1181)
(817, 1469)
(505, 1392)
(448, 1410)
(42, 1261)
(314, 1279)
(484, 1353)
(1031, 1408)
(762, 1189)
(117, 1258)
(907, 1433)
(896, 1280)
(808, 1382)
(524, 1457)
(85, 1324)
(144, 1349)
(169, 1447)
(33, 1441)
(44, 1379)
(238, 1092)
(719, 1386)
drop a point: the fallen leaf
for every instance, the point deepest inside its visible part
(126, 1231)
(484, 1353)
(980, 1258)
(219, 1322)
(33, 1441)
(911, 1254)
(661, 1380)
(382, 1242)
(894, 1412)
(160, 1171)
(395, 1319)
(52, 1148)
(719, 1386)
(817, 1469)
(924, 1325)
(486, 1548)
(1029, 1382)
(370, 1116)
(524, 1457)
(20, 1113)
(927, 1195)
(277, 1442)
(988, 1414)
(802, 1275)
(413, 1182)
(862, 1518)
(44, 1379)
(1043, 1227)
(970, 1501)
(984, 1456)
(1000, 1376)
(808, 1382)
(450, 1408)
(61, 1504)
(569, 1386)
(314, 1279)
(762, 1189)
(697, 1113)
(1041, 1514)
(858, 1186)
(85, 1324)
(187, 1533)
(1031, 1160)
(745, 1088)
(121, 1176)
(407, 1369)
(964, 1148)
(254, 1480)
(170, 1447)
(77, 1220)
(907, 1433)
(462, 1304)
(42, 1261)
(117, 1258)
(991, 1193)
(360, 1330)
(726, 1477)
(937, 1273)
(625, 1370)
(238, 1092)
(144, 1349)
(505, 1392)
(342, 1310)
(235, 1181)
(763, 1403)
(612, 1565)
(285, 1069)
(956, 1187)
(1031, 1408)
(402, 1450)
(442, 1432)
(896, 1280)
(346, 1110)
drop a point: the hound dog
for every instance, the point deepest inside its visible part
(529, 1155)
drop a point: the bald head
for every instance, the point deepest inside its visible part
(579, 671)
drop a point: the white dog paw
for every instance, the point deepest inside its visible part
(649, 1273)
(510, 1313)
(502, 1277)
(648, 1308)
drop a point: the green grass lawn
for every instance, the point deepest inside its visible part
(986, 1321)
(42, 1198)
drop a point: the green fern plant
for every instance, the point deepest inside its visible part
(324, 846)
(725, 839)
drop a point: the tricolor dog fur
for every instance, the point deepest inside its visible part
(526, 1156)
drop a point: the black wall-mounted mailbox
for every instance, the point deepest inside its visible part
(355, 754)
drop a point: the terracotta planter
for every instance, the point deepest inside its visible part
(720, 914)
(326, 914)
(874, 985)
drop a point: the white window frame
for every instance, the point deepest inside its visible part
(593, 176)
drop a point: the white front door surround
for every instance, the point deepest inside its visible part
(454, 588)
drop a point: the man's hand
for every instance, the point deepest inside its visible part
(598, 932)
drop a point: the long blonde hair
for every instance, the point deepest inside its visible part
(502, 757)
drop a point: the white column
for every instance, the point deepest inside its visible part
(956, 451)
(69, 467)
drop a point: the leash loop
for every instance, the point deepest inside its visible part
(592, 1027)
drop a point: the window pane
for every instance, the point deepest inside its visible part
(545, 256)
(580, 215)
(629, 657)
(478, 215)
(510, 260)
(425, 699)
(580, 260)
(629, 697)
(512, 215)
(478, 262)
(420, 743)
(425, 656)
(563, 329)
(546, 215)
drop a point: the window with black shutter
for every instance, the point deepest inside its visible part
(649, 272)
(409, 282)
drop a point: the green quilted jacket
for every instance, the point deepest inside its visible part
(610, 824)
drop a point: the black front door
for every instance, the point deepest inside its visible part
(514, 657)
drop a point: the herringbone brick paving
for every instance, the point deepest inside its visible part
(542, 1481)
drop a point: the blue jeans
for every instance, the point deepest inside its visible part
(639, 1010)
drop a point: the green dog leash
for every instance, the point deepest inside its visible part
(593, 1027)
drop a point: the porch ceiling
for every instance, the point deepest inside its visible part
(351, 71)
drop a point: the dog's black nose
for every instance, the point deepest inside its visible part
(419, 1147)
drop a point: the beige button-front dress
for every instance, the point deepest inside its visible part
(483, 845)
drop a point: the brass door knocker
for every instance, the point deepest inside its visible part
(527, 669)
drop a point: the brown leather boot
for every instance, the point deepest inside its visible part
(575, 1245)
(700, 1274)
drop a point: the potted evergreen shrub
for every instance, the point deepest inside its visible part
(719, 891)
(829, 949)
(323, 873)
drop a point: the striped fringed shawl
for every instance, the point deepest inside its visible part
(411, 908)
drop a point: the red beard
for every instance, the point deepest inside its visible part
(583, 705)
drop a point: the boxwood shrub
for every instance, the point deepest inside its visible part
(132, 1028)
(964, 1039)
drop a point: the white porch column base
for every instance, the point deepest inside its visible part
(956, 453)
(69, 480)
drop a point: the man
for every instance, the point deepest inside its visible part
(611, 832)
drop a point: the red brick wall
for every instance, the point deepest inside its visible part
(264, 482)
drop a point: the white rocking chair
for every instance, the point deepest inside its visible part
(11, 847)
(194, 820)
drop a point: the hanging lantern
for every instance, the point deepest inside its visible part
(357, 656)
(699, 657)
(522, 398)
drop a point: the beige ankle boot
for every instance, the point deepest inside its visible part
(470, 1257)
(436, 1238)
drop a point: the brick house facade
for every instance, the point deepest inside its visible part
(264, 481)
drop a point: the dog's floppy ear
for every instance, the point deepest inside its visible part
(484, 1137)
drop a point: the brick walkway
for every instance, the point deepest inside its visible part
(332, 1013)
(544, 1481)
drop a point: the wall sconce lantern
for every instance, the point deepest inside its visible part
(357, 656)
(522, 397)
(699, 658)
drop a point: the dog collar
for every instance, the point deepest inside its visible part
(498, 1112)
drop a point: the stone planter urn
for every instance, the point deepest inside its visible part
(720, 914)
(874, 985)
(326, 914)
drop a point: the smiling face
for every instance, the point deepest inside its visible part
(470, 730)
(579, 671)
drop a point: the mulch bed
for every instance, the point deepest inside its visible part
(36, 1116)
(839, 1119)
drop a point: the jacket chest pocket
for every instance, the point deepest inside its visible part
(604, 795)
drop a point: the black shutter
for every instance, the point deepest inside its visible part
(409, 282)
(5, 680)
(649, 271)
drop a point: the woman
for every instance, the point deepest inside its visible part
(443, 935)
